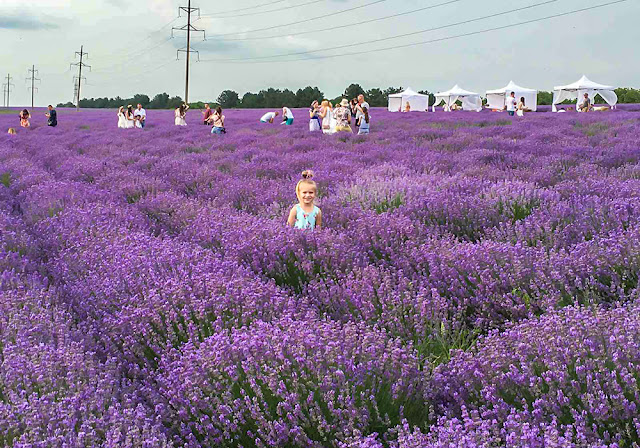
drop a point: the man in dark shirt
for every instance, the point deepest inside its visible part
(52, 117)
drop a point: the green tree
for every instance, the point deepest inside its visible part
(159, 101)
(272, 97)
(251, 101)
(376, 97)
(288, 98)
(228, 99)
(390, 90)
(353, 91)
(304, 97)
(140, 98)
(432, 97)
(545, 98)
(174, 102)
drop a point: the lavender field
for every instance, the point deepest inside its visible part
(475, 283)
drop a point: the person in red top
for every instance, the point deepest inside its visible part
(206, 114)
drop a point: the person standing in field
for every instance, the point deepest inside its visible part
(343, 117)
(364, 122)
(511, 104)
(217, 119)
(305, 214)
(585, 106)
(180, 114)
(129, 118)
(140, 115)
(269, 117)
(122, 120)
(206, 113)
(326, 114)
(24, 118)
(52, 117)
(520, 107)
(287, 116)
(359, 113)
(314, 117)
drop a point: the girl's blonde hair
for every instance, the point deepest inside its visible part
(12, 131)
(307, 179)
(325, 103)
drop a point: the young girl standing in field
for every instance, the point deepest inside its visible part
(306, 215)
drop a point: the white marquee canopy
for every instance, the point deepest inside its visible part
(496, 99)
(417, 101)
(470, 100)
(577, 90)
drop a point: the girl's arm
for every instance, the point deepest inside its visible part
(292, 217)
(319, 220)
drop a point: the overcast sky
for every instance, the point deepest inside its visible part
(130, 49)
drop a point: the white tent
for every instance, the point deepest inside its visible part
(577, 90)
(417, 101)
(470, 100)
(496, 99)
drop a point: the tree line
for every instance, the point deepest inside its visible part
(275, 98)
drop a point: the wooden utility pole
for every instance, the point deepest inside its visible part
(33, 78)
(80, 64)
(188, 28)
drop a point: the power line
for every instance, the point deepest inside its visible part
(33, 78)
(138, 53)
(398, 36)
(302, 21)
(349, 25)
(252, 7)
(7, 89)
(287, 8)
(188, 28)
(487, 30)
(80, 64)
(138, 44)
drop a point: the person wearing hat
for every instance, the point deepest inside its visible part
(342, 113)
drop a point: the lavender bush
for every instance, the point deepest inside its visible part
(475, 283)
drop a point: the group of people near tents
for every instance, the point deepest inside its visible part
(330, 118)
(583, 91)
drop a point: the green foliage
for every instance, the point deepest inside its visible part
(228, 99)
(353, 91)
(276, 98)
(5, 179)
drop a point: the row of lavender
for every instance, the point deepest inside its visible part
(152, 296)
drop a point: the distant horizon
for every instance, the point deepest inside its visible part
(130, 49)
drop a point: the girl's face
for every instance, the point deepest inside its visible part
(307, 193)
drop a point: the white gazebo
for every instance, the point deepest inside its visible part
(470, 100)
(577, 90)
(417, 101)
(496, 99)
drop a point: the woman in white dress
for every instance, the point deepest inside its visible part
(129, 117)
(122, 120)
(180, 114)
(327, 116)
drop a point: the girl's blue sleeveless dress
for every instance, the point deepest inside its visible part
(306, 220)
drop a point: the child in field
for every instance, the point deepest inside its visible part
(305, 215)
(24, 118)
(11, 131)
(364, 122)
